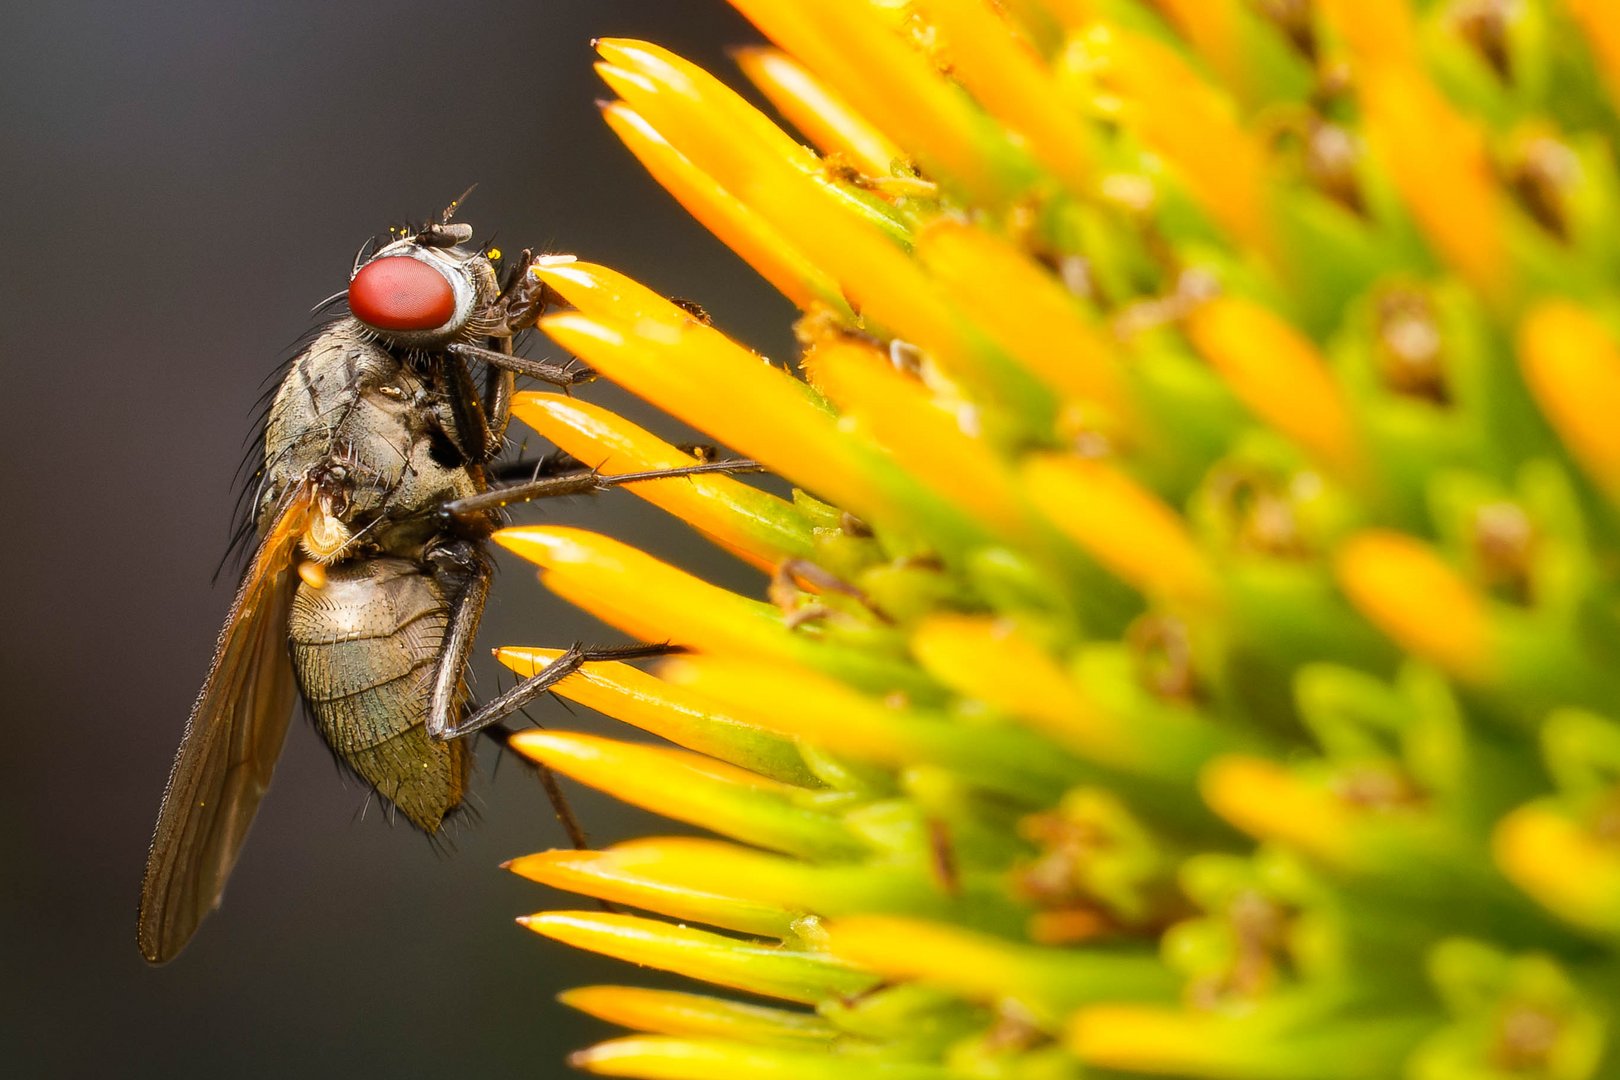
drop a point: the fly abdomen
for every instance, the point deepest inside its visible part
(366, 647)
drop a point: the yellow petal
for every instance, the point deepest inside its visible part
(1012, 83)
(897, 413)
(1212, 27)
(1178, 114)
(973, 656)
(722, 135)
(1277, 372)
(759, 526)
(1267, 801)
(1602, 29)
(888, 288)
(728, 110)
(760, 969)
(1123, 525)
(627, 874)
(695, 373)
(669, 1012)
(1438, 161)
(1567, 869)
(1404, 588)
(653, 705)
(640, 595)
(978, 966)
(824, 117)
(826, 713)
(722, 213)
(1024, 311)
(1572, 364)
(693, 788)
(888, 82)
(1377, 32)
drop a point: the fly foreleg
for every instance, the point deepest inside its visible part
(564, 375)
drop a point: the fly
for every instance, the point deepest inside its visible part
(363, 597)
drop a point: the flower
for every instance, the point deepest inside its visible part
(1190, 648)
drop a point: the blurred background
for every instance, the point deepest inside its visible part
(182, 181)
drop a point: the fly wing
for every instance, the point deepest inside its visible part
(228, 751)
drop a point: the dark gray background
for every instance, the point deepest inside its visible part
(181, 182)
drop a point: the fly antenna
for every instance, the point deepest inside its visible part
(455, 204)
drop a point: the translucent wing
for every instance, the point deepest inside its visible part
(228, 751)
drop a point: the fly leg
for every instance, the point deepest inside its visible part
(478, 439)
(442, 723)
(547, 371)
(548, 780)
(523, 298)
(582, 482)
(465, 566)
(577, 656)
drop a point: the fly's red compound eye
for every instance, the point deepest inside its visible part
(401, 293)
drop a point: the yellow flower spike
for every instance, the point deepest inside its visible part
(1405, 589)
(824, 117)
(1277, 372)
(1602, 30)
(1563, 866)
(1438, 161)
(894, 87)
(761, 969)
(972, 656)
(1047, 981)
(1572, 364)
(1024, 311)
(733, 396)
(653, 705)
(722, 213)
(670, 1012)
(898, 414)
(755, 524)
(1268, 802)
(1012, 83)
(692, 788)
(726, 109)
(641, 595)
(1122, 524)
(1180, 115)
(620, 876)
